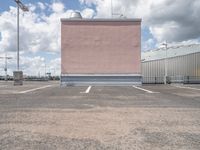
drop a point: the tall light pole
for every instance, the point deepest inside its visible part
(21, 6)
(18, 75)
(166, 63)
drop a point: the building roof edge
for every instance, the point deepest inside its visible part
(101, 20)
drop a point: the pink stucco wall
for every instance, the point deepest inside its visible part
(106, 47)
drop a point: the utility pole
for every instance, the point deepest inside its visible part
(166, 63)
(45, 68)
(6, 68)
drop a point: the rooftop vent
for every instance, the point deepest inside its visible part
(75, 15)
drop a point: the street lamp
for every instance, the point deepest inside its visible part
(21, 6)
(166, 63)
(18, 75)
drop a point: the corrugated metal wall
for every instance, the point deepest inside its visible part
(180, 69)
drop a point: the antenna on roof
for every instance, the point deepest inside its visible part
(111, 5)
(115, 14)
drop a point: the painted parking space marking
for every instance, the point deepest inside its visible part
(185, 87)
(35, 89)
(88, 105)
(2, 86)
(87, 90)
(142, 89)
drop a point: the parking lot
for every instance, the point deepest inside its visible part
(42, 115)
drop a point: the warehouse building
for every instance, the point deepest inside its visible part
(100, 51)
(181, 64)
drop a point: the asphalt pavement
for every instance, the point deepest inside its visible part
(43, 115)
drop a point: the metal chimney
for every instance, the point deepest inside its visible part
(75, 15)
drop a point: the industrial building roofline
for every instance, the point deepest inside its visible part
(173, 51)
(102, 20)
(171, 47)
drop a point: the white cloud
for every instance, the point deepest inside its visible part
(38, 65)
(32, 66)
(38, 32)
(149, 44)
(55, 66)
(41, 5)
(58, 7)
(88, 13)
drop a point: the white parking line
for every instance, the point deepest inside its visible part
(3, 86)
(148, 91)
(35, 89)
(185, 87)
(87, 90)
(89, 105)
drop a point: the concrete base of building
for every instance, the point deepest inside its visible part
(100, 80)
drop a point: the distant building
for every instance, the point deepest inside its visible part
(100, 51)
(182, 63)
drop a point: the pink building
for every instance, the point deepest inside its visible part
(100, 51)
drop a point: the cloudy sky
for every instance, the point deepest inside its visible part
(174, 21)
